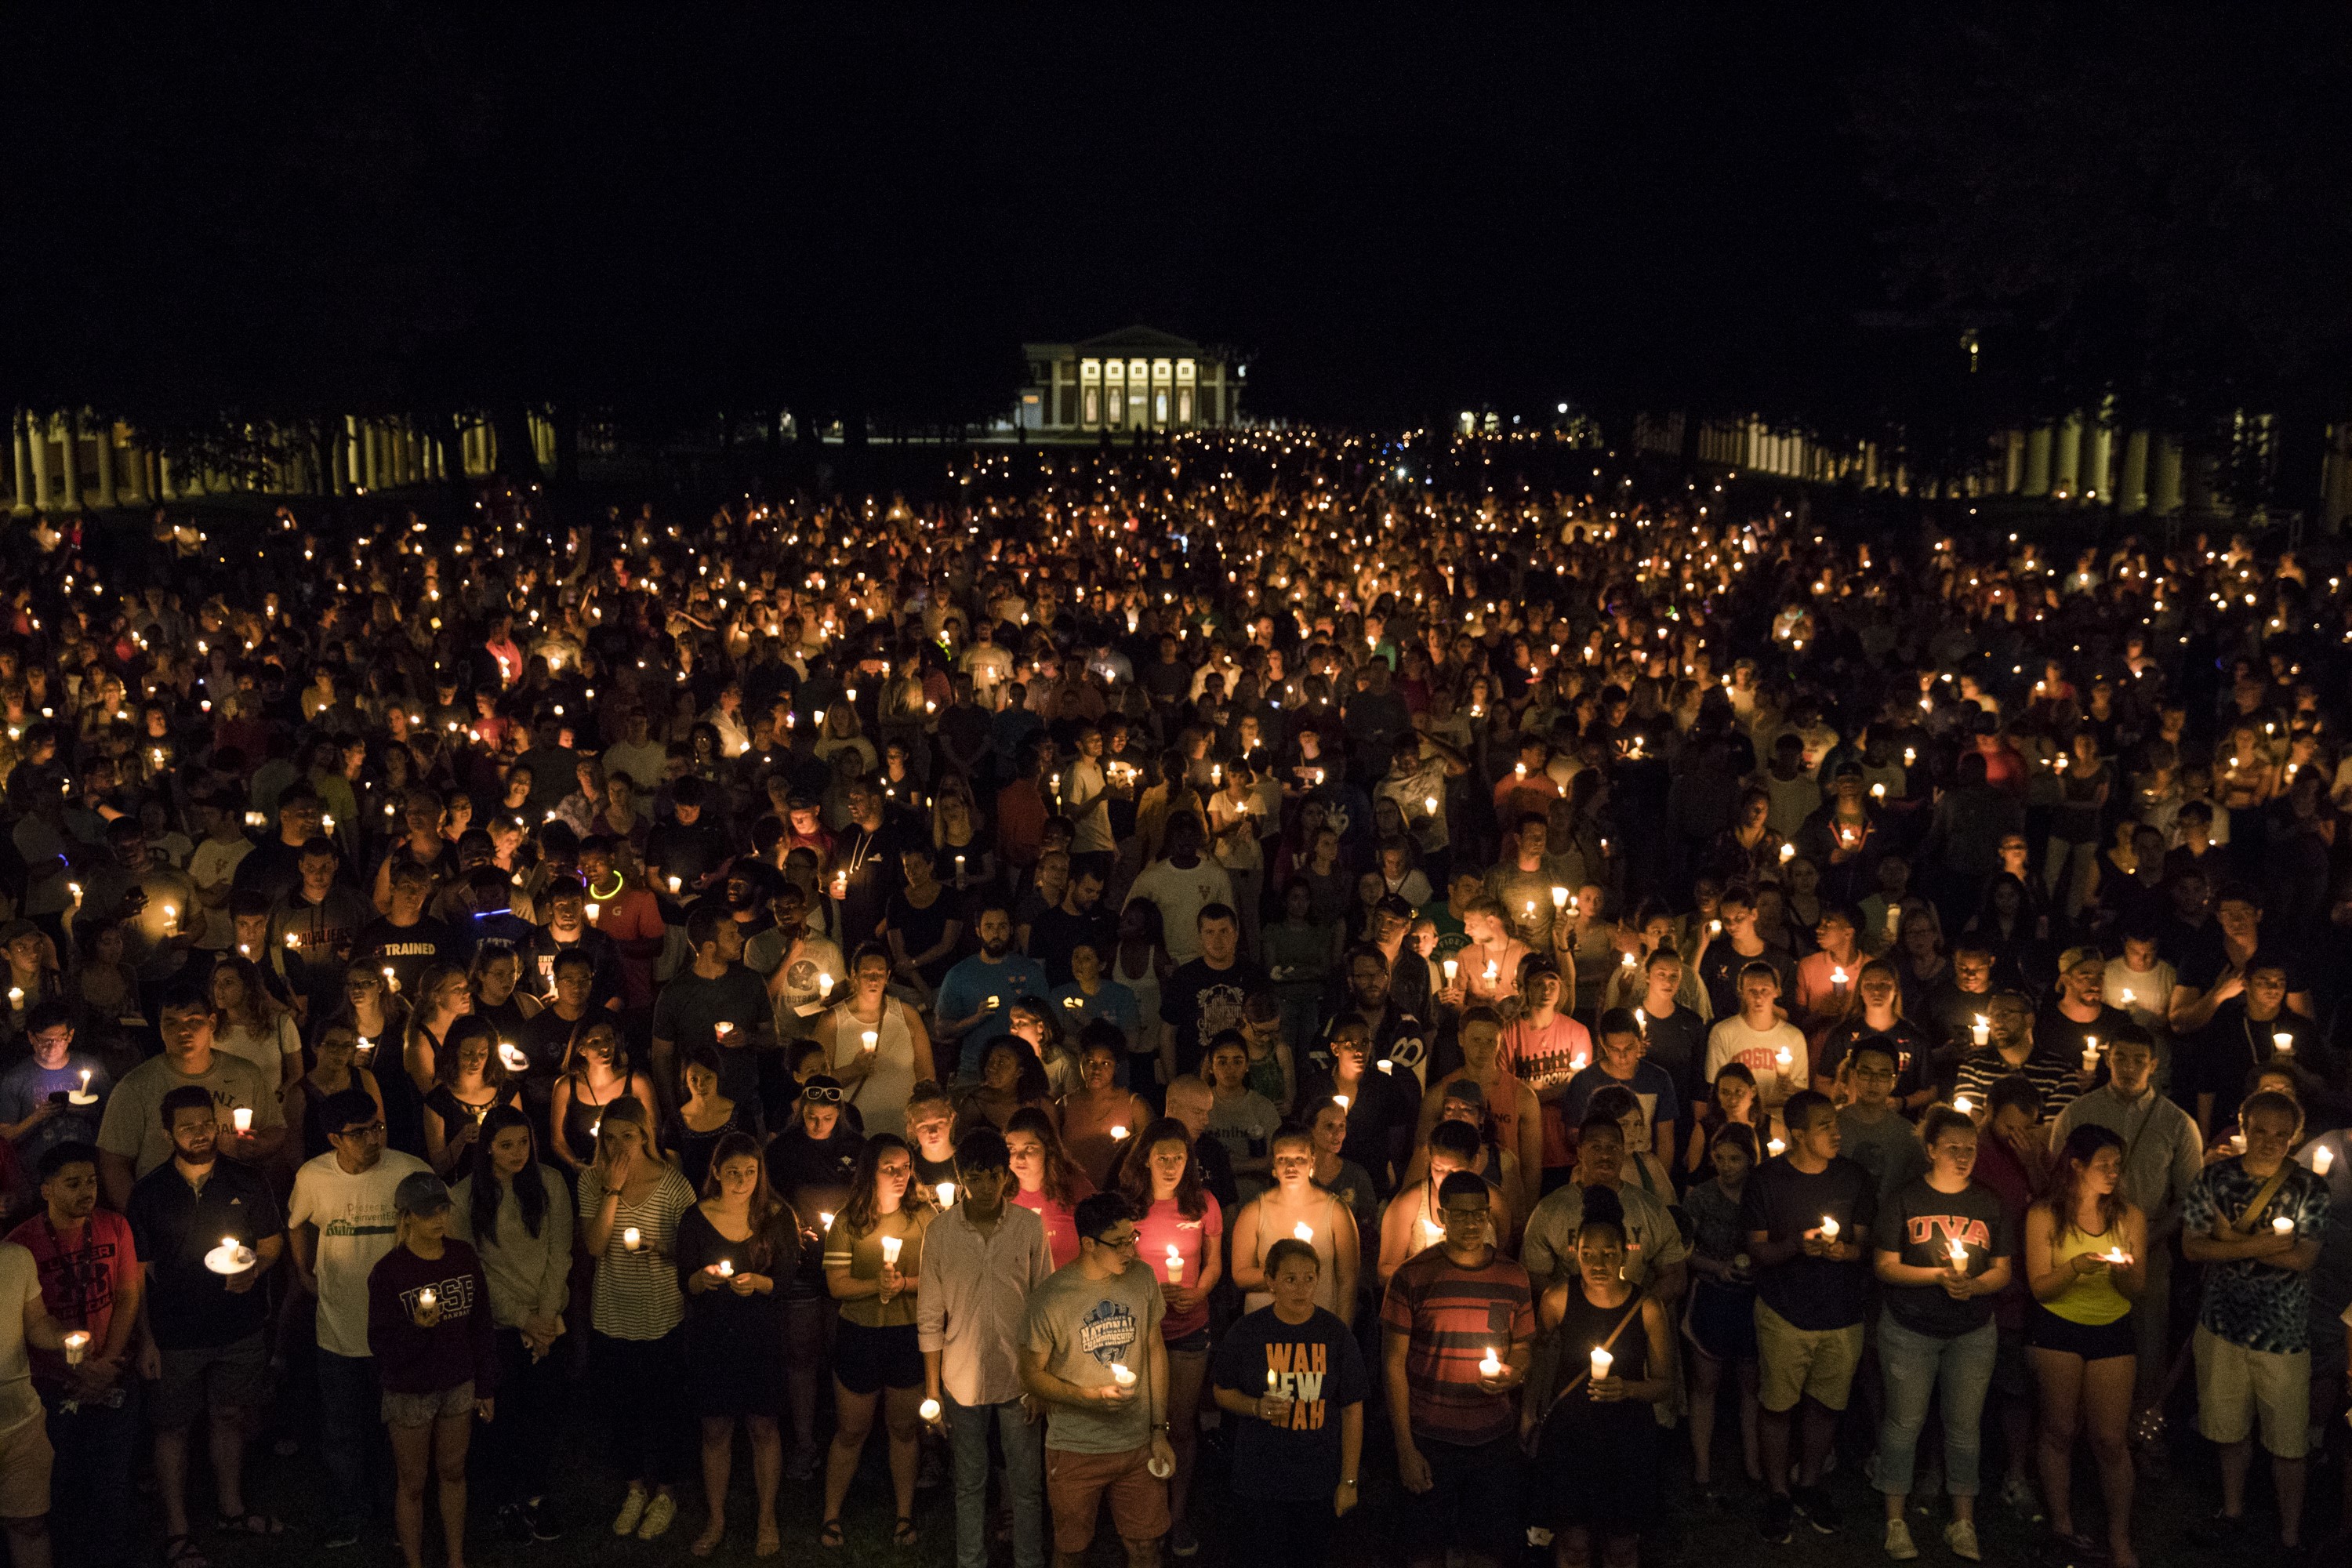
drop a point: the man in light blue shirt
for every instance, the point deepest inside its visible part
(974, 1004)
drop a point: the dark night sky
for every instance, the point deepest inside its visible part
(1394, 214)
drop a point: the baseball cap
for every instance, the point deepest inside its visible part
(419, 1193)
(2083, 954)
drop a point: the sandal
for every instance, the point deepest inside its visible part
(904, 1534)
(831, 1534)
(249, 1524)
(179, 1551)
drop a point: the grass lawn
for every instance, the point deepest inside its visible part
(1695, 1534)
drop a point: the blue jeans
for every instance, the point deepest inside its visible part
(1916, 1366)
(351, 1415)
(1023, 1442)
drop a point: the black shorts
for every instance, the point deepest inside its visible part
(867, 1361)
(1477, 1500)
(2046, 1331)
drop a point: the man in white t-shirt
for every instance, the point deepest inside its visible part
(1760, 1039)
(24, 1453)
(343, 1222)
(1181, 886)
(213, 868)
(133, 1139)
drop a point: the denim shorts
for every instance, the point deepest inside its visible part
(425, 1409)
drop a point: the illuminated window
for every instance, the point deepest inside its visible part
(1093, 406)
(1184, 405)
(1159, 406)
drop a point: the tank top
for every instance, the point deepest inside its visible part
(583, 1116)
(1146, 987)
(1582, 1325)
(2092, 1299)
(881, 1095)
(1324, 1241)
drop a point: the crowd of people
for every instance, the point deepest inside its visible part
(1236, 956)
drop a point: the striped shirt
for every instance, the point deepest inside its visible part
(637, 1296)
(2053, 1075)
(1451, 1317)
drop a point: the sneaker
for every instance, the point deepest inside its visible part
(540, 1519)
(1182, 1541)
(1820, 1512)
(658, 1514)
(340, 1536)
(633, 1509)
(1899, 1546)
(1960, 1535)
(512, 1525)
(2017, 1495)
(1780, 1520)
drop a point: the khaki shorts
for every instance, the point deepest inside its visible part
(2235, 1386)
(1077, 1484)
(1799, 1364)
(425, 1409)
(24, 1461)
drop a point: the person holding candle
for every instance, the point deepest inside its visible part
(512, 1210)
(705, 1117)
(873, 1267)
(1178, 1218)
(732, 1249)
(1100, 1115)
(131, 1141)
(631, 1200)
(1455, 1425)
(1093, 1351)
(1596, 1439)
(1721, 1322)
(812, 1164)
(875, 1044)
(203, 1338)
(342, 1218)
(2011, 1048)
(983, 1258)
(1825, 989)
(1294, 1202)
(2256, 1221)
(1290, 1370)
(972, 1005)
(1808, 1217)
(596, 1078)
(2085, 1246)
(253, 1026)
(26, 1459)
(38, 1110)
(1758, 1039)
(430, 1333)
(91, 1281)
(1943, 1253)
(469, 1082)
(716, 1000)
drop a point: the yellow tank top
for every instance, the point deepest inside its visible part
(2092, 1299)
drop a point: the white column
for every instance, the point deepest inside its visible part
(2098, 448)
(2163, 489)
(107, 497)
(2131, 487)
(72, 428)
(2066, 458)
(38, 433)
(22, 506)
(2037, 460)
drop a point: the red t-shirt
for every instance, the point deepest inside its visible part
(81, 1273)
(1061, 1224)
(1165, 1227)
(1451, 1317)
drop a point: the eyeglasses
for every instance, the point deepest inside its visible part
(372, 1129)
(832, 1095)
(1121, 1243)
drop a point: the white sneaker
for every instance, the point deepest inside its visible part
(1960, 1535)
(1899, 1547)
(633, 1508)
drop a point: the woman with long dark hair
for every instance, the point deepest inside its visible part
(732, 1249)
(873, 1258)
(2085, 1250)
(1178, 1226)
(1048, 1183)
(516, 1215)
(469, 1082)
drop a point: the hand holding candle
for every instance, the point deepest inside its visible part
(631, 1239)
(77, 1346)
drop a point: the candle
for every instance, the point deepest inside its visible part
(2283, 1225)
(1837, 977)
(1775, 1149)
(82, 1095)
(1829, 1227)
(2125, 996)
(1492, 1365)
(511, 1055)
(2115, 1256)
(890, 1247)
(77, 1342)
(1453, 967)
(2321, 1158)
(630, 1239)
(1558, 898)
(675, 884)
(242, 1118)
(1386, 1065)
(869, 1039)
(929, 1410)
(1963, 1104)
(1119, 1131)
(1272, 1379)
(1784, 1058)
(1429, 804)
(1340, 1101)
(1120, 1375)
(825, 1220)
(594, 910)
(1303, 1231)
(1981, 1029)
(2282, 1043)
(228, 1257)
(1175, 1265)
(1602, 1362)
(947, 1196)
(17, 998)
(723, 1029)
(994, 1003)
(1788, 853)
(725, 1269)
(1959, 1254)
(2091, 1054)
(427, 1299)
